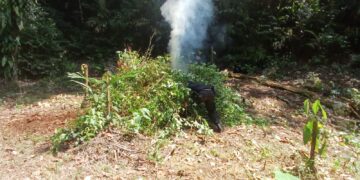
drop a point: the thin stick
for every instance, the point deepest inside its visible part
(108, 93)
(85, 71)
(150, 47)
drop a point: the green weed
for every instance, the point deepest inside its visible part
(149, 97)
(315, 131)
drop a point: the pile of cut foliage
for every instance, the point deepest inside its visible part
(147, 96)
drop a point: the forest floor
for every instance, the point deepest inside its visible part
(29, 118)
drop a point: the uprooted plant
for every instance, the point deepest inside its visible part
(148, 97)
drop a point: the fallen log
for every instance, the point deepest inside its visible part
(274, 84)
(309, 94)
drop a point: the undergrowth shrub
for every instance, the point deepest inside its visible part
(147, 96)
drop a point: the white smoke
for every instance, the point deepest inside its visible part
(189, 20)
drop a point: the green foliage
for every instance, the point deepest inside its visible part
(38, 36)
(42, 52)
(271, 31)
(307, 132)
(11, 18)
(314, 130)
(227, 101)
(148, 97)
(312, 115)
(95, 29)
(31, 41)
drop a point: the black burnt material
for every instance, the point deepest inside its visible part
(205, 94)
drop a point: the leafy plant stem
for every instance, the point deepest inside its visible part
(313, 144)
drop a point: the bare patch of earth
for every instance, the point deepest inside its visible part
(277, 106)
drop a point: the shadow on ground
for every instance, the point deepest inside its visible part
(26, 92)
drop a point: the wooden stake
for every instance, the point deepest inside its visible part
(109, 103)
(85, 72)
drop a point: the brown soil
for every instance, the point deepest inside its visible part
(42, 117)
(242, 152)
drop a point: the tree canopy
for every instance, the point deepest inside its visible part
(41, 38)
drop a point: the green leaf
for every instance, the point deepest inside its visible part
(3, 22)
(145, 113)
(96, 98)
(279, 175)
(323, 112)
(21, 25)
(307, 106)
(317, 144)
(102, 4)
(16, 10)
(11, 64)
(308, 129)
(3, 62)
(323, 148)
(17, 40)
(316, 107)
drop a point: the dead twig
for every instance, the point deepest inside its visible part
(150, 48)
(171, 153)
(126, 149)
(283, 99)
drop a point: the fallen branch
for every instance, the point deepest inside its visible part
(309, 94)
(125, 149)
(354, 111)
(273, 84)
(352, 106)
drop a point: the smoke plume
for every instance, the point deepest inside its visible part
(189, 21)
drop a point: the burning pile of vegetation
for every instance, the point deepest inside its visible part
(147, 96)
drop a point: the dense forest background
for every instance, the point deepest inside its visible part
(42, 38)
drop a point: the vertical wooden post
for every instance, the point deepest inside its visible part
(109, 103)
(85, 72)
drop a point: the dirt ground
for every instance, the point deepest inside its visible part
(242, 152)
